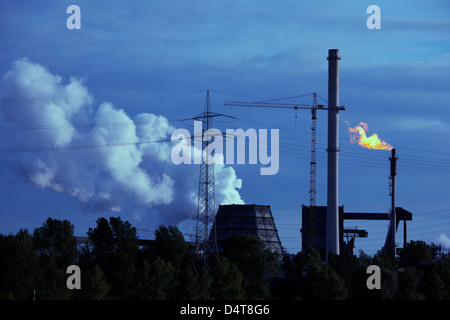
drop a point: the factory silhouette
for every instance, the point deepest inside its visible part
(322, 226)
(237, 252)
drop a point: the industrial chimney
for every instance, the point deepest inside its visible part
(393, 226)
(332, 243)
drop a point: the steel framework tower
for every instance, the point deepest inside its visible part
(312, 172)
(206, 210)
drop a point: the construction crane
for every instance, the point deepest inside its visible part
(312, 179)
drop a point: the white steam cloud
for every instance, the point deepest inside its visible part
(52, 135)
(444, 241)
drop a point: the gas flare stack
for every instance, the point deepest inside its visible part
(393, 226)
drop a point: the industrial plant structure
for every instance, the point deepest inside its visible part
(346, 236)
(332, 239)
(322, 226)
(247, 219)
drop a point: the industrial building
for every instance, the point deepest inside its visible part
(314, 228)
(247, 219)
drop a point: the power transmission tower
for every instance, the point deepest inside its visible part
(205, 233)
(206, 211)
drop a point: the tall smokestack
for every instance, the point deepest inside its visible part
(393, 226)
(333, 149)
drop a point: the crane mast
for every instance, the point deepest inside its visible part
(312, 178)
(312, 174)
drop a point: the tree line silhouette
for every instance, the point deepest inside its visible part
(114, 266)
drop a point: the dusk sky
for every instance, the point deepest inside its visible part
(86, 115)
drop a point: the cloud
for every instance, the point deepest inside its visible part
(53, 136)
(226, 184)
(410, 123)
(444, 241)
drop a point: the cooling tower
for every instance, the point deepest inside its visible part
(247, 219)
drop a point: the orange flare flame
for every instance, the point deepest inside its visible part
(358, 135)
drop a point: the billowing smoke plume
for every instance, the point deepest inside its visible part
(54, 137)
(444, 241)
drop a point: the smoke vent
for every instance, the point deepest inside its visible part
(247, 219)
(332, 240)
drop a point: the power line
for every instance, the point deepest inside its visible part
(130, 95)
(77, 147)
(414, 163)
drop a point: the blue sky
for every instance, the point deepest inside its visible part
(154, 60)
